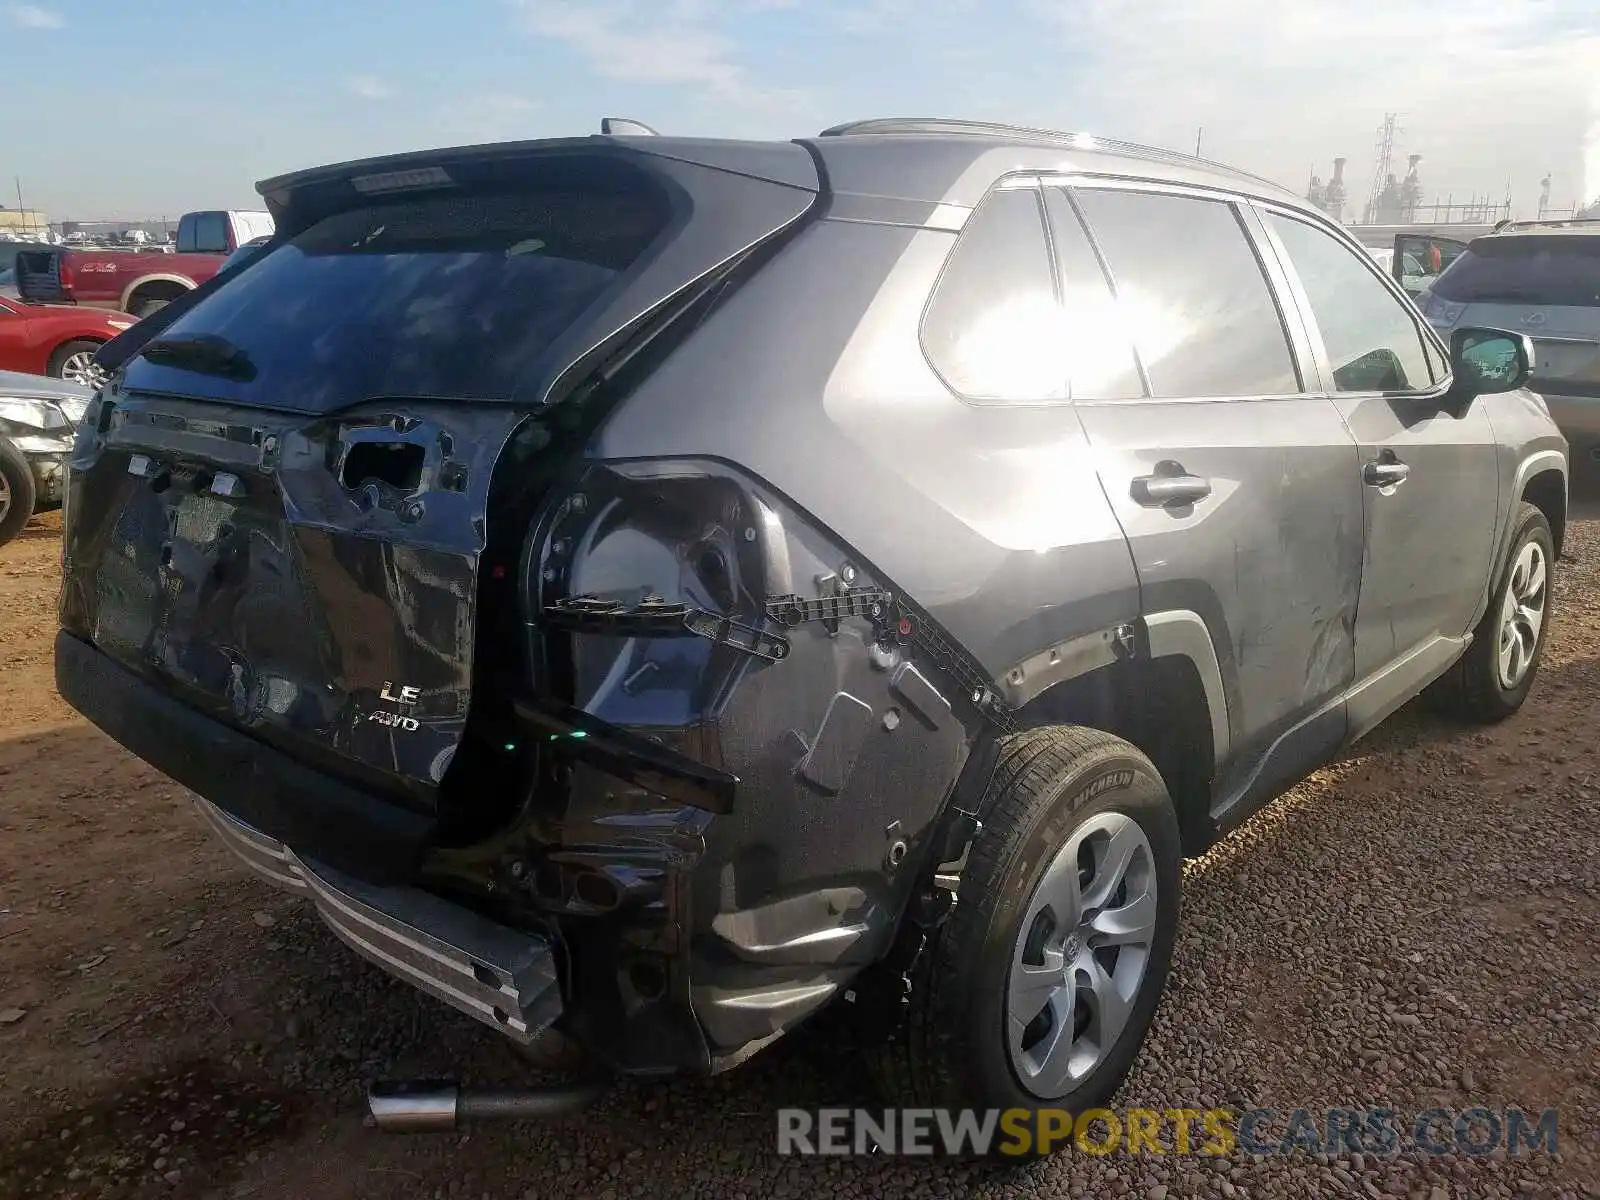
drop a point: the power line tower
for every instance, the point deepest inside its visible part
(1382, 166)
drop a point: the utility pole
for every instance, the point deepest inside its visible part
(1198, 134)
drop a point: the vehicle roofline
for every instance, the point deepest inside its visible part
(1104, 157)
(945, 129)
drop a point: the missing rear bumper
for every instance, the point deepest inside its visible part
(502, 977)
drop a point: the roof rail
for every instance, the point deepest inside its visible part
(1087, 141)
(1555, 223)
(623, 127)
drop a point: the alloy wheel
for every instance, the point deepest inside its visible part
(1081, 954)
(1522, 615)
(82, 369)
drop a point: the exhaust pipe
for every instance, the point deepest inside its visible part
(434, 1106)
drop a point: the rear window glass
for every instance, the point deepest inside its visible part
(440, 296)
(203, 233)
(1556, 270)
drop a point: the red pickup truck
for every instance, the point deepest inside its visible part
(138, 281)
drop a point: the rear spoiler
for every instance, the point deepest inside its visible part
(729, 197)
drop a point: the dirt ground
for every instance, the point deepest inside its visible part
(1417, 924)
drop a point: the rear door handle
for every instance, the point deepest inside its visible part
(1384, 472)
(1160, 491)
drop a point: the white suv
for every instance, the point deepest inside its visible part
(1544, 281)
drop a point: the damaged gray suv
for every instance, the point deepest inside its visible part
(647, 591)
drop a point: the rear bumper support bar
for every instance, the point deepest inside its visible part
(503, 977)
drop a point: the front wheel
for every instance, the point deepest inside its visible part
(1039, 988)
(75, 363)
(1492, 679)
(16, 491)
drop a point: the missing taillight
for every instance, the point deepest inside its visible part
(394, 464)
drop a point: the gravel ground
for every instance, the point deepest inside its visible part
(1415, 925)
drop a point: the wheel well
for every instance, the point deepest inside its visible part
(1547, 491)
(73, 341)
(1158, 704)
(156, 289)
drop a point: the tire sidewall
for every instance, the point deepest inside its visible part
(1083, 794)
(20, 476)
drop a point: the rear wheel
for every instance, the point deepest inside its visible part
(75, 363)
(1038, 989)
(16, 491)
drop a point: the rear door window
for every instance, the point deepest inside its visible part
(1193, 294)
(1373, 342)
(1100, 354)
(450, 296)
(1549, 269)
(993, 324)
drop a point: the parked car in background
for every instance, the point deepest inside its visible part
(8, 284)
(1415, 254)
(38, 419)
(246, 251)
(1541, 279)
(139, 282)
(58, 340)
(655, 589)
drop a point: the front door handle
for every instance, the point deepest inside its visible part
(1162, 491)
(1384, 472)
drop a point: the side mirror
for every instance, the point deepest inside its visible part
(1486, 362)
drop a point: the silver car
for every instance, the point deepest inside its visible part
(1542, 280)
(38, 420)
(649, 590)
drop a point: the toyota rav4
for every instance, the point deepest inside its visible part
(657, 589)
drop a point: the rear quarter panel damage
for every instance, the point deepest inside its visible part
(991, 520)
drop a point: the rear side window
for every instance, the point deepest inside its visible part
(1193, 294)
(993, 325)
(203, 233)
(1557, 269)
(451, 296)
(1373, 342)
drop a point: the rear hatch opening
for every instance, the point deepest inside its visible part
(366, 417)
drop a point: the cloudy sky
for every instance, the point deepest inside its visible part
(150, 107)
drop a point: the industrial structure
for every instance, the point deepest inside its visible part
(23, 224)
(1395, 202)
(1330, 197)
